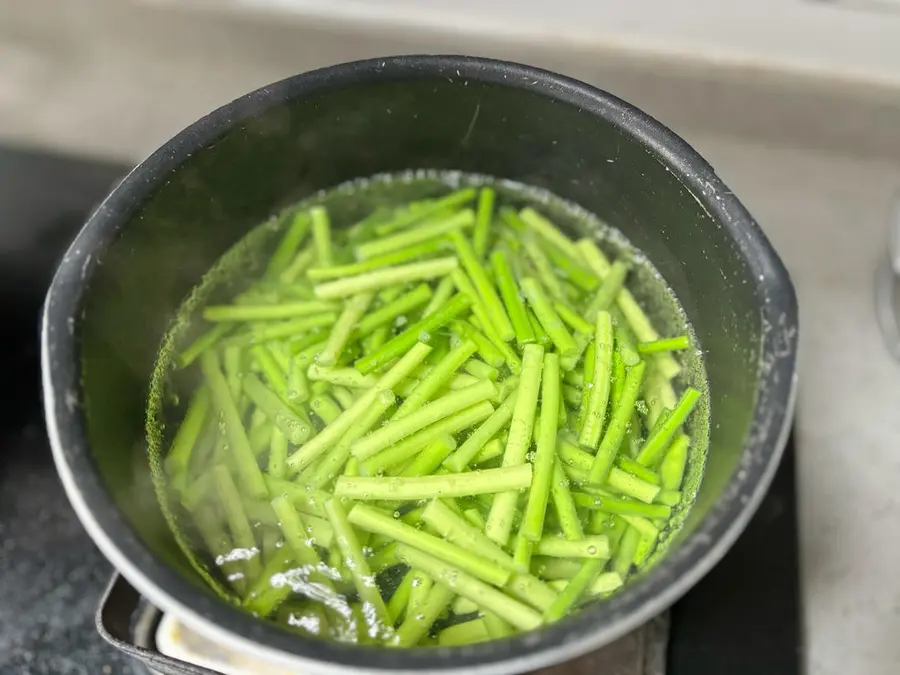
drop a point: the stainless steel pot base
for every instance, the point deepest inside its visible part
(165, 646)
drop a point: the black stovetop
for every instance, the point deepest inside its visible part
(741, 619)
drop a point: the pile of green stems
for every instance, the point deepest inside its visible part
(446, 423)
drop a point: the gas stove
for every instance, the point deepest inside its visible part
(743, 618)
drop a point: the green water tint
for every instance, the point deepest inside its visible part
(282, 507)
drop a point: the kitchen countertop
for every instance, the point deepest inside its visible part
(815, 163)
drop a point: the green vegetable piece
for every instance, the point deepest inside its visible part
(416, 627)
(465, 633)
(288, 245)
(424, 232)
(410, 216)
(483, 286)
(206, 341)
(188, 433)
(483, 215)
(486, 597)
(436, 379)
(352, 551)
(269, 312)
(396, 430)
(509, 291)
(594, 417)
(575, 589)
(241, 531)
(548, 317)
(384, 278)
(591, 546)
(373, 520)
(485, 481)
(245, 461)
(566, 512)
(671, 471)
(618, 424)
(498, 420)
(660, 439)
(331, 434)
(340, 332)
(321, 228)
(533, 521)
(421, 331)
(295, 427)
(500, 518)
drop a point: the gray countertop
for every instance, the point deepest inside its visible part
(815, 162)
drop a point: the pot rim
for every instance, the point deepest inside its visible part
(591, 628)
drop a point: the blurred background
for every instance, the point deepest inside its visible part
(795, 102)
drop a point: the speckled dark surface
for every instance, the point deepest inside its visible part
(51, 576)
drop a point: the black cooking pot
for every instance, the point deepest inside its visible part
(177, 212)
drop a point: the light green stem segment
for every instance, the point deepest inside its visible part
(659, 441)
(566, 511)
(441, 295)
(437, 378)
(422, 330)
(465, 633)
(396, 455)
(548, 317)
(294, 426)
(408, 447)
(188, 433)
(288, 245)
(278, 448)
(440, 408)
(486, 597)
(409, 216)
(335, 459)
(601, 382)
(342, 377)
(484, 287)
(400, 599)
(545, 455)
(390, 276)
(575, 589)
(241, 531)
(415, 627)
(473, 445)
(665, 345)
(483, 216)
(544, 269)
(636, 318)
(340, 332)
(591, 546)
(403, 255)
(190, 353)
(321, 228)
(425, 232)
(671, 471)
(352, 552)
(618, 425)
(454, 528)
(509, 291)
(500, 518)
(301, 262)
(332, 433)
(486, 481)
(373, 520)
(272, 312)
(549, 232)
(391, 310)
(250, 476)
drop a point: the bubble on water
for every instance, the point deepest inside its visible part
(424, 336)
(396, 514)
(592, 550)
